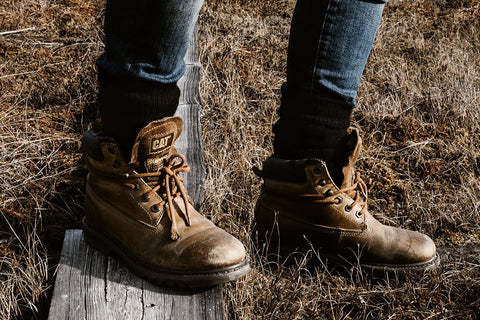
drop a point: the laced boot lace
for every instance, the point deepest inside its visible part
(357, 191)
(168, 185)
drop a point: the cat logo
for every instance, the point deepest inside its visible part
(160, 144)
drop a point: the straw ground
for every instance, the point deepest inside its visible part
(418, 110)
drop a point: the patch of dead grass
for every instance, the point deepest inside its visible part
(417, 109)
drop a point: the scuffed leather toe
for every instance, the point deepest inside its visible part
(423, 248)
(228, 252)
(216, 250)
(390, 245)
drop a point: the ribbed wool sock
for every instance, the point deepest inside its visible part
(127, 106)
(314, 127)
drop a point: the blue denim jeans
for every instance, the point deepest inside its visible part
(147, 39)
(329, 45)
(330, 41)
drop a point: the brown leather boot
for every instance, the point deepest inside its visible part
(140, 212)
(301, 208)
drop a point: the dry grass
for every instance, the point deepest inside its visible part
(418, 110)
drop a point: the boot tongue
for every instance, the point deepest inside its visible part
(354, 146)
(155, 144)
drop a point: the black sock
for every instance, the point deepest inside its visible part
(314, 127)
(126, 106)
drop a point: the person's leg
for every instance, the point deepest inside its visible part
(329, 45)
(136, 205)
(330, 41)
(311, 197)
(146, 42)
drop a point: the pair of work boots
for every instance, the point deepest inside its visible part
(139, 210)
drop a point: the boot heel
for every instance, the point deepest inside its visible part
(94, 239)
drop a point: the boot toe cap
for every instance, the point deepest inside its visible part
(411, 247)
(398, 247)
(423, 248)
(214, 250)
(228, 253)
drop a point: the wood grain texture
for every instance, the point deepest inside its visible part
(190, 142)
(189, 86)
(90, 285)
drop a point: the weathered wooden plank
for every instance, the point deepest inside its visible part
(189, 85)
(124, 287)
(91, 282)
(190, 144)
(193, 52)
(91, 285)
(182, 305)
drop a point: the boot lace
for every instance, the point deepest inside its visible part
(358, 191)
(168, 184)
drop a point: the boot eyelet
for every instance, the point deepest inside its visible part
(135, 186)
(317, 170)
(154, 208)
(358, 214)
(322, 183)
(339, 200)
(144, 198)
(116, 164)
(329, 193)
(111, 150)
(348, 208)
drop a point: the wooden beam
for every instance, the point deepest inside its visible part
(90, 285)
(190, 143)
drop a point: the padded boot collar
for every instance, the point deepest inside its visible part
(287, 170)
(91, 144)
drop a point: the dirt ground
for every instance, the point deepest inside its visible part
(418, 111)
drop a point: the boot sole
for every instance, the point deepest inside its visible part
(289, 255)
(171, 278)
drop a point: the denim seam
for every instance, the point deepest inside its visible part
(323, 39)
